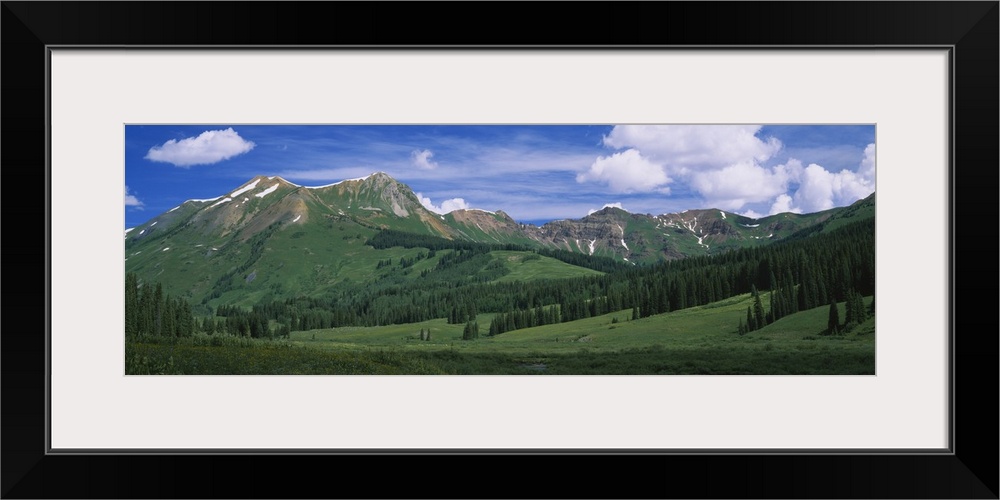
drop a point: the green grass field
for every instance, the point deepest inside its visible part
(699, 340)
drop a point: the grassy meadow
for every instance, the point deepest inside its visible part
(696, 340)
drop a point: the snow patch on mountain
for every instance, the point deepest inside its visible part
(206, 200)
(245, 189)
(340, 182)
(750, 225)
(723, 214)
(267, 191)
(623, 237)
(592, 245)
(172, 209)
(220, 202)
(297, 217)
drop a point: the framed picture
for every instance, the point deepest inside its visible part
(895, 433)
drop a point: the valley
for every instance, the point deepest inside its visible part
(358, 277)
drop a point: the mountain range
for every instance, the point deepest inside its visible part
(272, 238)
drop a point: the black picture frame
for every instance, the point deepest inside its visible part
(969, 28)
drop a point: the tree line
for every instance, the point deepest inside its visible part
(150, 312)
(798, 275)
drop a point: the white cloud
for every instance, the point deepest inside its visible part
(821, 189)
(446, 206)
(720, 162)
(616, 204)
(751, 214)
(627, 172)
(422, 159)
(131, 200)
(783, 204)
(680, 147)
(815, 193)
(867, 168)
(212, 146)
(790, 171)
(734, 186)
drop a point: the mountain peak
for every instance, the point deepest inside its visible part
(379, 178)
(609, 210)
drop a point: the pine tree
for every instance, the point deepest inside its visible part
(471, 331)
(859, 308)
(849, 309)
(158, 306)
(833, 323)
(758, 310)
(131, 305)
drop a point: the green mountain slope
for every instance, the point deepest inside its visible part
(271, 239)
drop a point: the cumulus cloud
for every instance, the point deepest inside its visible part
(751, 214)
(816, 191)
(446, 205)
(867, 168)
(422, 159)
(616, 204)
(783, 204)
(732, 187)
(821, 189)
(680, 147)
(132, 201)
(720, 162)
(212, 146)
(627, 172)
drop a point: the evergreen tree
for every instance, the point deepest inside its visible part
(849, 318)
(859, 307)
(758, 310)
(131, 305)
(168, 325)
(158, 306)
(471, 331)
(833, 323)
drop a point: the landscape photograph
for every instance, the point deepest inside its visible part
(599, 249)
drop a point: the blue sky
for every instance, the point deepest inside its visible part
(535, 173)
